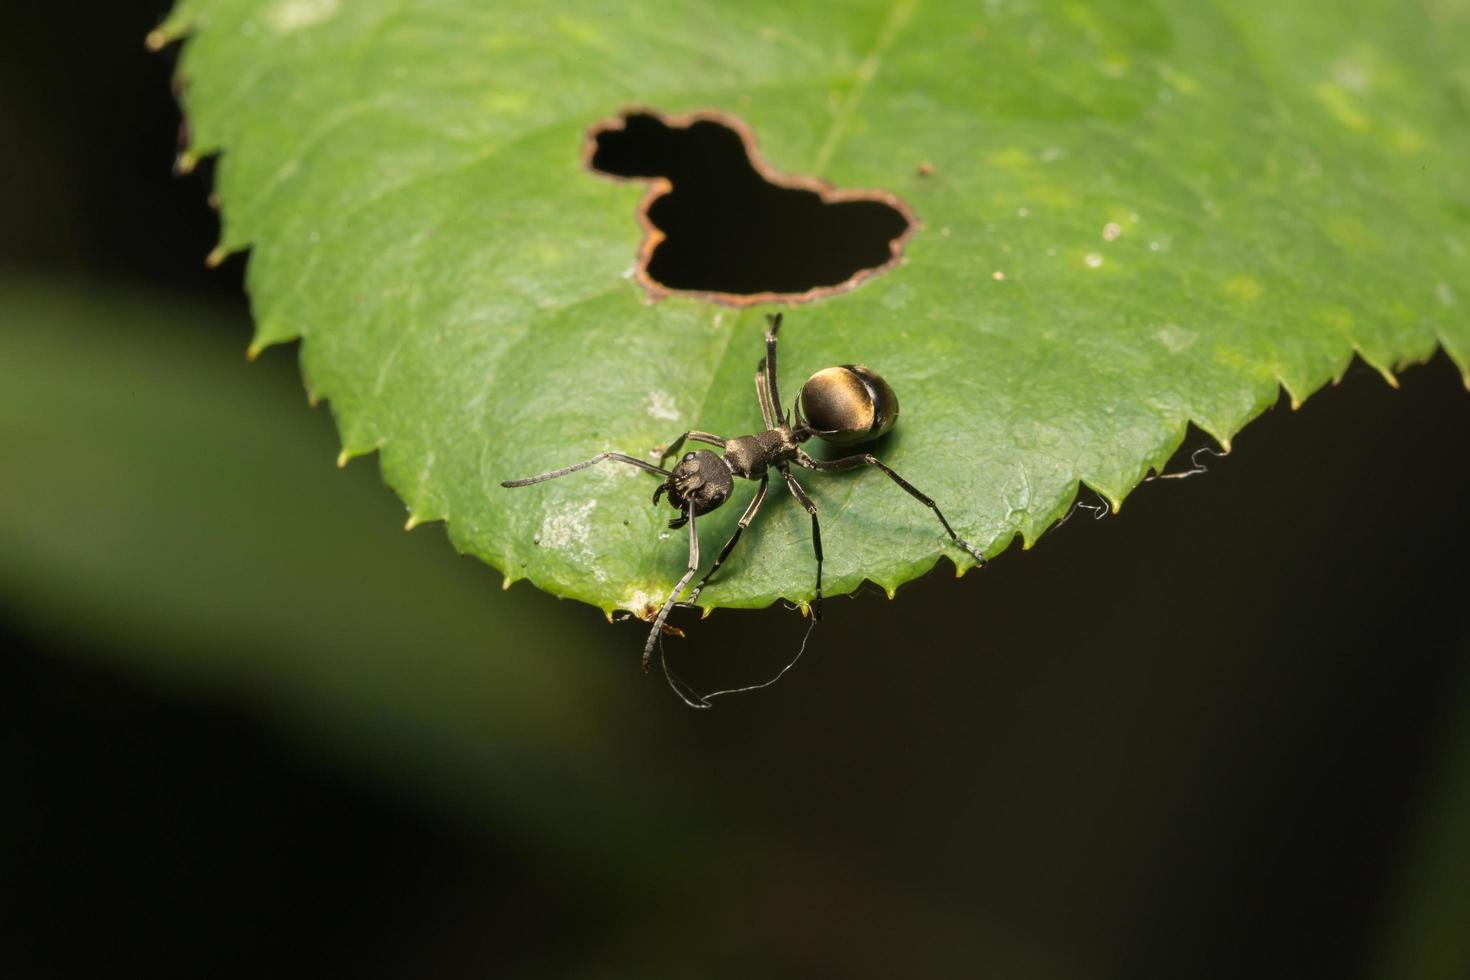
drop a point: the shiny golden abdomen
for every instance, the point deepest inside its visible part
(848, 405)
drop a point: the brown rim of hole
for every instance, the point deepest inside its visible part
(659, 186)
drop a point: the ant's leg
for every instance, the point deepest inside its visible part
(773, 392)
(868, 459)
(740, 525)
(616, 457)
(663, 614)
(769, 415)
(811, 508)
(694, 434)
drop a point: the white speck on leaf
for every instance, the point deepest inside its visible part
(292, 15)
(639, 603)
(1444, 294)
(897, 297)
(1174, 337)
(1111, 231)
(1093, 260)
(661, 406)
(570, 528)
(1351, 75)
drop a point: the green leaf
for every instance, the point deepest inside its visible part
(1135, 215)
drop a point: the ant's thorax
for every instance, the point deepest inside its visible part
(750, 456)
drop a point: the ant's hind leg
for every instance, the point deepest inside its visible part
(773, 390)
(770, 414)
(811, 508)
(868, 459)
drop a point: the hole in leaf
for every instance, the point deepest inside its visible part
(719, 223)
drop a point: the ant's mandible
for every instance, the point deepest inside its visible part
(846, 406)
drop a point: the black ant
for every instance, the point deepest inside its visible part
(845, 405)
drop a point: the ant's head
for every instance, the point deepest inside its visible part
(702, 480)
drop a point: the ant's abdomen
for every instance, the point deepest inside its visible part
(848, 405)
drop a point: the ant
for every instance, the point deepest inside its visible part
(846, 406)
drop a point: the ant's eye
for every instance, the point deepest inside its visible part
(688, 457)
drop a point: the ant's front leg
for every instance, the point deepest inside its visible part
(740, 525)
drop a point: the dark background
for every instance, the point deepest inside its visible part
(1220, 734)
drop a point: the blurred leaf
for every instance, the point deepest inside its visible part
(1426, 935)
(1135, 215)
(170, 506)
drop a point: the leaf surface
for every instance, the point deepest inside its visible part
(1135, 215)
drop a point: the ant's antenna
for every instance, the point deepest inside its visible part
(693, 699)
(1197, 466)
